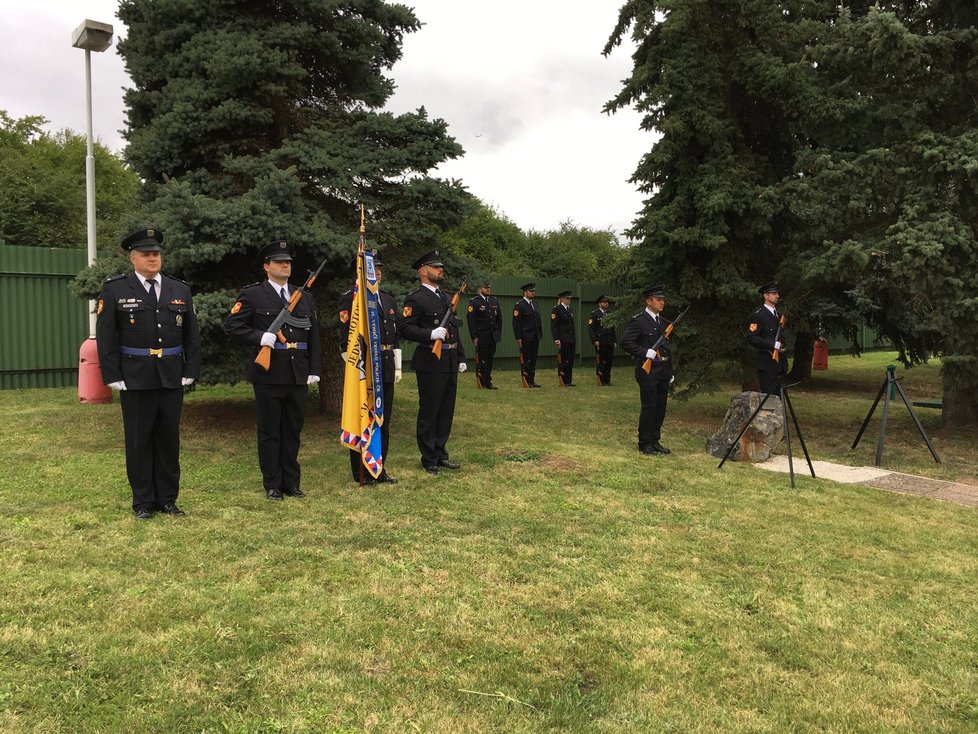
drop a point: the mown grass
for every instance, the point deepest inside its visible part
(560, 582)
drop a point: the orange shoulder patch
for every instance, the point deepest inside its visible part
(101, 304)
(753, 326)
(553, 315)
(406, 313)
(590, 321)
(516, 312)
(471, 309)
(344, 316)
(236, 307)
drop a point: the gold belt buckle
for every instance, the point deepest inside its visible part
(156, 353)
(291, 345)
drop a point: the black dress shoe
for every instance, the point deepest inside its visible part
(273, 494)
(492, 387)
(648, 450)
(449, 464)
(533, 384)
(144, 514)
(432, 470)
(660, 448)
(569, 384)
(293, 492)
(386, 478)
(170, 508)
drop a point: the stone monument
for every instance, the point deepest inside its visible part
(760, 439)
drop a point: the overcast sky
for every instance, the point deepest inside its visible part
(521, 84)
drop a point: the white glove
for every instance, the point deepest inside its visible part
(462, 366)
(186, 381)
(120, 385)
(397, 366)
(268, 339)
(312, 379)
(440, 333)
(777, 346)
(651, 354)
(343, 356)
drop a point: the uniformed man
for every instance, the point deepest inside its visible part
(763, 335)
(149, 350)
(565, 338)
(642, 332)
(603, 338)
(390, 345)
(281, 393)
(528, 329)
(486, 328)
(422, 315)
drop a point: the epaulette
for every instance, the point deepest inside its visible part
(176, 279)
(120, 276)
(347, 292)
(253, 285)
(638, 314)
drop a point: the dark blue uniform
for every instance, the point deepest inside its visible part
(605, 339)
(640, 334)
(562, 329)
(528, 327)
(281, 393)
(437, 378)
(485, 323)
(761, 334)
(150, 347)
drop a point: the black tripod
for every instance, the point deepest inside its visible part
(786, 408)
(891, 382)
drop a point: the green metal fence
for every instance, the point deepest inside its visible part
(42, 325)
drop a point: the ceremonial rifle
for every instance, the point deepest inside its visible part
(436, 347)
(776, 354)
(647, 366)
(264, 358)
(597, 365)
(478, 380)
(560, 374)
(523, 368)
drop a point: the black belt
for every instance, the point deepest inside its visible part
(446, 346)
(160, 353)
(291, 345)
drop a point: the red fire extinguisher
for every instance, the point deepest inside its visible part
(820, 355)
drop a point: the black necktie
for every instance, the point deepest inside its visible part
(441, 296)
(285, 298)
(151, 293)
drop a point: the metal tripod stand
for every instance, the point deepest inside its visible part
(887, 388)
(786, 408)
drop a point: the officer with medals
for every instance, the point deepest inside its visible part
(149, 351)
(603, 339)
(763, 335)
(642, 331)
(390, 358)
(565, 337)
(423, 312)
(485, 322)
(528, 329)
(281, 393)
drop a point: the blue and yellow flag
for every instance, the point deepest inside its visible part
(363, 379)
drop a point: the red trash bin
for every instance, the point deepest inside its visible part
(820, 355)
(91, 389)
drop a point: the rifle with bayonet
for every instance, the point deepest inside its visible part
(264, 358)
(647, 366)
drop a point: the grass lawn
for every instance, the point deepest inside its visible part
(561, 582)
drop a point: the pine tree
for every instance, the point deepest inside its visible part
(253, 121)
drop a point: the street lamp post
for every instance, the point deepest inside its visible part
(91, 36)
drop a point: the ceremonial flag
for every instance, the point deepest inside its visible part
(363, 379)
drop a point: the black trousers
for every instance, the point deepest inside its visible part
(768, 382)
(385, 432)
(436, 410)
(607, 353)
(654, 394)
(565, 366)
(151, 422)
(486, 351)
(530, 350)
(281, 412)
